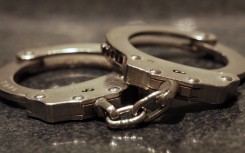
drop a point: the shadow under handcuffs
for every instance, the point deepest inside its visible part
(179, 109)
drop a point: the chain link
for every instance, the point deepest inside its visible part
(139, 111)
(167, 91)
(126, 122)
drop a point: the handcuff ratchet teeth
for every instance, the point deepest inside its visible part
(148, 72)
(72, 102)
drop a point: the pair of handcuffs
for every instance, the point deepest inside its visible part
(105, 95)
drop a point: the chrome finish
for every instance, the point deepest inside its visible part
(195, 84)
(108, 107)
(62, 103)
(139, 111)
(102, 96)
(163, 97)
(40, 53)
(126, 122)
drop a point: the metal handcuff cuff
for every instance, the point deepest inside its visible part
(165, 79)
(151, 73)
(72, 102)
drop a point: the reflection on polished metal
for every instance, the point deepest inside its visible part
(67, 102)
(102, 96)
(79, 48)
(113, 142)
(195, 84)
(139, 110)
(166, 93)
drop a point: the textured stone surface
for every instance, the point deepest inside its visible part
(193, 128)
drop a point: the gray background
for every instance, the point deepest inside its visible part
(195, 128)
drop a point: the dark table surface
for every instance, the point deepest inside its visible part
(198, 128)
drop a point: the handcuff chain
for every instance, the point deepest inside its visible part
(138, 111)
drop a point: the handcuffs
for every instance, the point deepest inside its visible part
(166, 80)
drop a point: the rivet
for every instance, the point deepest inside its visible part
(39, 96)
(155, 71)
(114, 89)
(193, 80)
(226, 78)
(135, 57)
(178, 71)
(79, 97)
